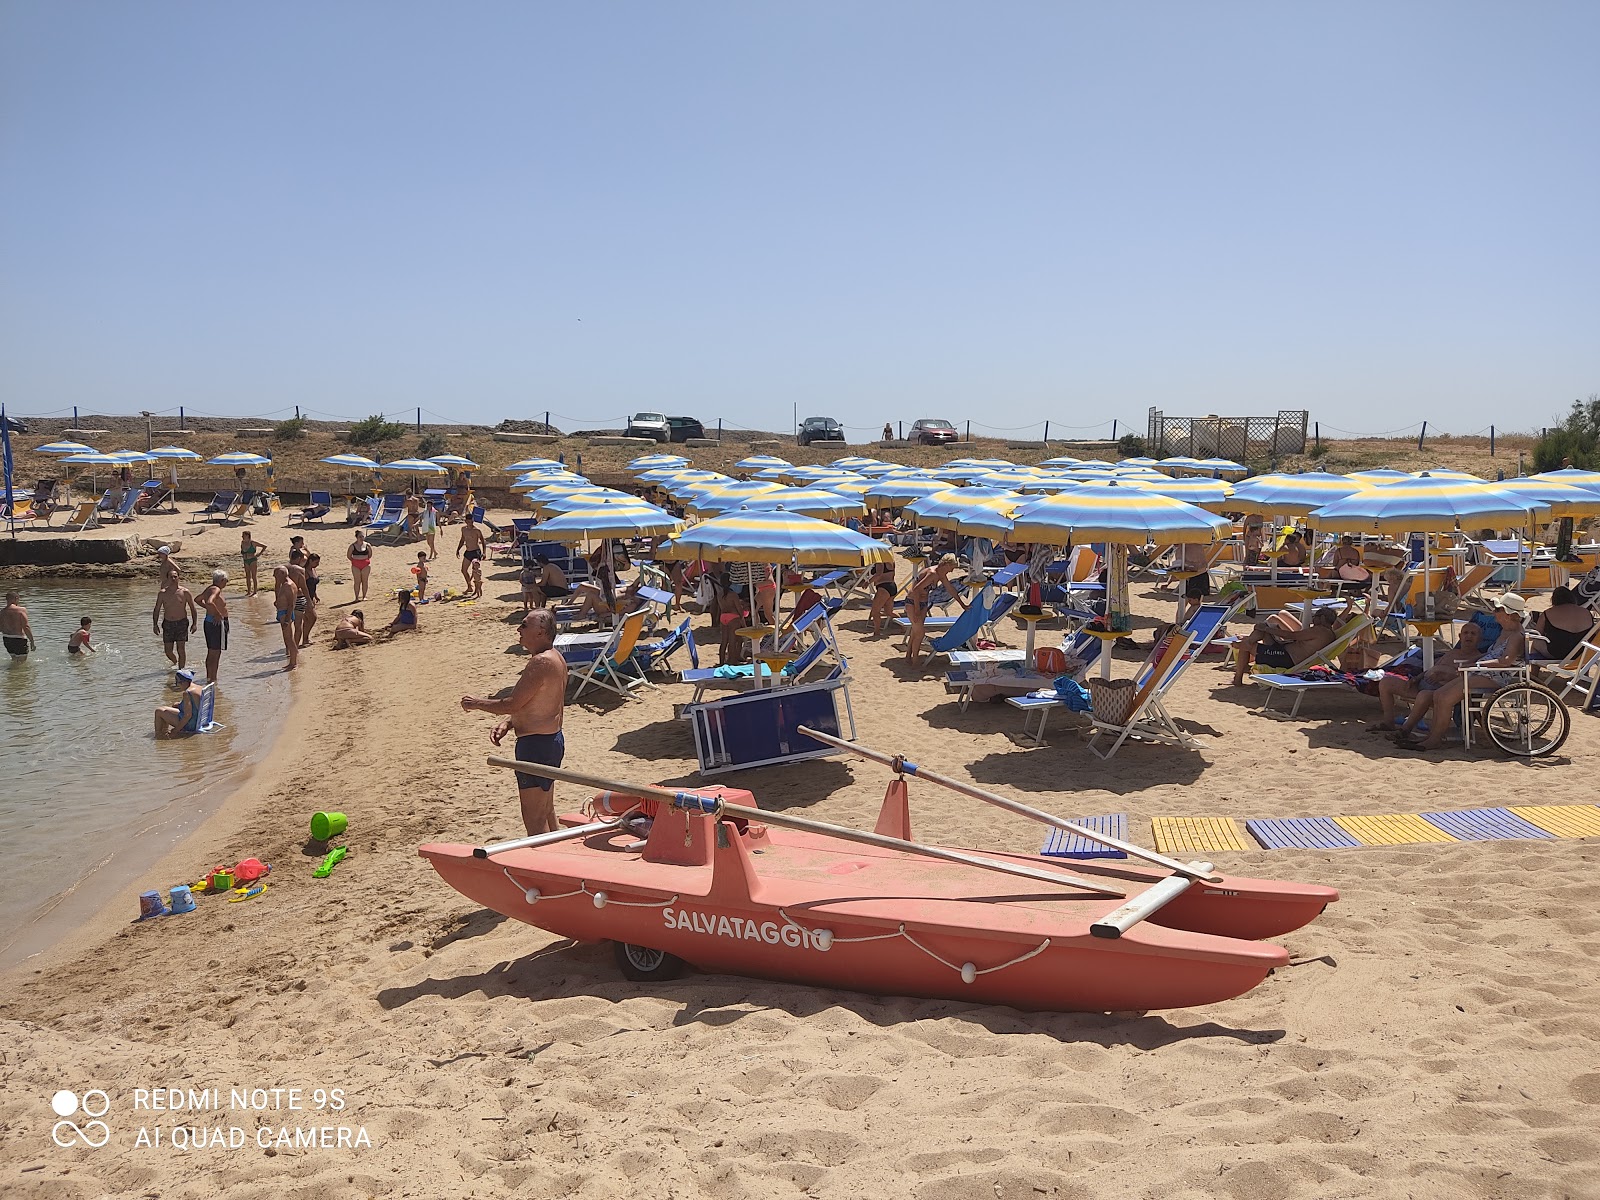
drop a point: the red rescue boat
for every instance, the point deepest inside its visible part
(706, 878)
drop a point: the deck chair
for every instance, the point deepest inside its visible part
(1041, 696)
(613, 668)
(123, 511)
(1577, 674)
(321, 505)
(241, 508)
(744, 676)
(1148, 718)
(1082, 567)
(1292, 683)
(656, 654)
(85, 516)
(760, 728)
(390, 516)
(203, 719)
(218, 506)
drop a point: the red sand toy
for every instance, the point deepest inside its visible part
(720, 884)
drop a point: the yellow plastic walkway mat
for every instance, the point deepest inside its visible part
(1564, 820)
(1392, 829)
(1198, 833)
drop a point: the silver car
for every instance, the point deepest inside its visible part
(648, 425)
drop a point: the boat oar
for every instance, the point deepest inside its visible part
(549, 839)
(716, 806)
(1193, 870)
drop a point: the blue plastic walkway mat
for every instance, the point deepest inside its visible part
(1484, 824)
(1300, 833)
(1063, 844)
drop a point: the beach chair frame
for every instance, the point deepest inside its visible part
(724, 728)
(613, 668)
(1149, 720)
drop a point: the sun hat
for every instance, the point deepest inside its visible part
(1511, 602)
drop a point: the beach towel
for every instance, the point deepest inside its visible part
(1073, 694)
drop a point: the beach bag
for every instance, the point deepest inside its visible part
(1050, 660)
(1111, 700)
(1354, 573)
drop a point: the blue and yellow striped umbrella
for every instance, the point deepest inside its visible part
(1576, 476)
(757, 461)
(535, 464)
(1114, 512)
(892, 491)
(854, 462)
(1223, 466)
(238, 458)
(711, 498)
(1207, 493)
(1446, 473)
(591, 498)
(776, 537)
(651, 462)
(977, 510)
(627, 518)
(1292, 495)
(1563, 499)
(813, 502)
(1377, 475)
(1424, 505)
(65, 448)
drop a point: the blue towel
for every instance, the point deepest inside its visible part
(740, 671)
(1072, 693)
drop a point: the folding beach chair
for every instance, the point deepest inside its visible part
(242, 508)
(321, 505)
(1576, 675)
(85, 516)
(123, 509)
(745, 676)
(613, 667)
(759, 728)
(203, 720)
(1148, 718)
(1280, 682)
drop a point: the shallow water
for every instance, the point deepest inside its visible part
(89, 796)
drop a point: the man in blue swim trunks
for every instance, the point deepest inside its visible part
(533, 708)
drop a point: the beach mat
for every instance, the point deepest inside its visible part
(1174, 834)
(1392, 829)
(1300, 833)
(1564, 820)
(1062, 844)
(1484, 825)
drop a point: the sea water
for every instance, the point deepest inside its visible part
(89, 798)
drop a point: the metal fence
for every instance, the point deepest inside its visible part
(1238, 438)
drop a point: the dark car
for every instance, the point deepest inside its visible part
(681, 429)
(15, 425)
(820, 429)
(928, 432)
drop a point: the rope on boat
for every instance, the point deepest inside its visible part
(601, 899)
(968, 971)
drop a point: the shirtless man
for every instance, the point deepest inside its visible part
(1394, 688)
(1276, 644)
(171, 718)
(533, 710)
(216, 622)
(284, 595)
(470, 547)
(165, 568)
(174, 617)
(14, 628)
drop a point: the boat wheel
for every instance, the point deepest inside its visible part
(645, 965)
(1526, 720)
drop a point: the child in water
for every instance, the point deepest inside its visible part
(78, 643)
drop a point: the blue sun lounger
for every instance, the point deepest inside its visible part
(761, 728)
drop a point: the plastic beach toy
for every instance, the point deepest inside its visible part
(246, 893)
(150, 906)
(325, 825)
(182, 899)
(329, 861)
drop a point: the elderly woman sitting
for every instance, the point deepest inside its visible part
(1394, 688)
(1438, 707)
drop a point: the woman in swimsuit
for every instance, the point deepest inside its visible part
(309, 617)
(250, 551)
(360, 556)
(883, 589)
(919, 598)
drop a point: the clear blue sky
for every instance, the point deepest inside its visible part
(1008, 212)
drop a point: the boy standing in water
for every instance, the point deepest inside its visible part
(78, 643)
(216, 622)
(174, 617)
(14, 628)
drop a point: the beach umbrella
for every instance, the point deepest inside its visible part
(854, 462)
(65, 448)
(1179, 462)
(1378, 473)
(771, 474)
(962, 474)
(1292, 495)
(1207, 493)
(626, 518)
(879, 470)
(805, 474)
(415, 466)
(352, 462)
(92, 459)
(593, 498)
(535, 464)
(1223, 466)
(849, 487)
(539, 479)
(756, 461)
(1121, 515)
(944, 510)
(650, 462)
(173, 452)
(719, 497)
(1576, 476)
(667, 474)
(453, 460)
(980, 462)
(132, 456)
(893, 491)
(1563, 499)
(813, 502)
(1066, 460)
(1130, 462)
(238, 458)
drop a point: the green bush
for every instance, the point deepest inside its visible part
(1576, 438)
(431, 444)
(1130, 445)
(288, 431)
(375, 429)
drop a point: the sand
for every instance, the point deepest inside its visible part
(1434, 1036)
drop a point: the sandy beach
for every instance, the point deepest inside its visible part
(1434, 1036)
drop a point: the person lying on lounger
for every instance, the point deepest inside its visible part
(1393, 688)
(1280, 643)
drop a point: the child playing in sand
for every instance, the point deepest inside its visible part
(405, 620)
(421, 572)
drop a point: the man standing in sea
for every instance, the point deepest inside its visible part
(216, 622)
(534, 710)
(174, 617)
(14, 628)
(284, 595)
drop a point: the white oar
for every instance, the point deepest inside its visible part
(716, 806)
(548, 839)
(1193, 870)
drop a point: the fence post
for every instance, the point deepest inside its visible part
(719, 431)
(1113, 429)
(1422, 434)
(1047, 433)
(969, 429)
(1317, 427)
(547, 420)
(296, 412)
(419, 418)
(1491, 441)
(181, 425)
(901, 426)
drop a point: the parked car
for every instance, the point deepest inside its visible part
(681, 429)
(929, 432)
(649, 425)
(820, 429)
(15, 425)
